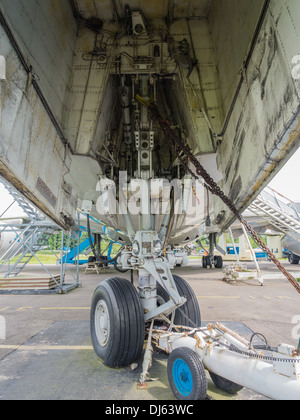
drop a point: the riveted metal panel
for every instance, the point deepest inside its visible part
(45, 32)
(264, 127)
(32, 156)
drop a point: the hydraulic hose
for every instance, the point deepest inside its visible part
(97, 256)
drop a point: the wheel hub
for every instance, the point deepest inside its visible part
(182, 377)
(102, 323)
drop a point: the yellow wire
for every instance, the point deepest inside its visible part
(143, 101)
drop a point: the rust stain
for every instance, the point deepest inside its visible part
(264, 178)
(293, 137)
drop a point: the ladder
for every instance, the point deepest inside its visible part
(278, 211)
(30, 236)
(32, 212)
(32, 241)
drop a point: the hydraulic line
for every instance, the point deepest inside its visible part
(98, 256)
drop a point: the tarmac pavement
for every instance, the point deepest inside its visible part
(47, 352)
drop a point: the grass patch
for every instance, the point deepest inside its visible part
(47, 258)
(44, 258)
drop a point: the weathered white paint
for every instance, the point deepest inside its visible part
(45, 32)
(263, 128)
(86, 93)
(232, 26)
(30, 147)
(203, 92)
(259, 376)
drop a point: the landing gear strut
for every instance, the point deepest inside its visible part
(121, 314)
(212, 260)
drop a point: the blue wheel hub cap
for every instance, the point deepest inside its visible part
(182, 377)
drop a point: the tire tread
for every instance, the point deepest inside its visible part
(128, 326)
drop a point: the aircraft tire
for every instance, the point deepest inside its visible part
(117, 323)
(293, 259)
(225, 385)
(218, 262)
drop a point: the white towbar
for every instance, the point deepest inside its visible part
(231, 360)
(257, 375)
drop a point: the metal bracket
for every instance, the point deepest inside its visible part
(161, 272)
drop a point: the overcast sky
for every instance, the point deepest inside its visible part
(5, 201)
(287, 182)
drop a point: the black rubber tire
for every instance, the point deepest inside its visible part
(126, 323)
(225, 385)
(218, 262)
(293, 259)
(189, 314)
(207, 262)
(197, 388)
